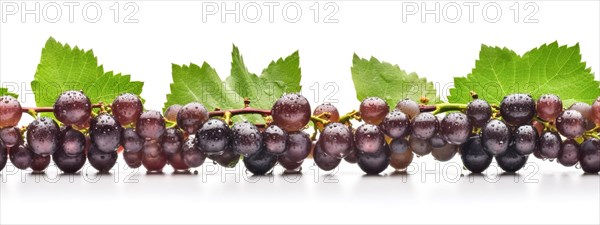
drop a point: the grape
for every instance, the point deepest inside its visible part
(291, 112)
(177, 161)
(247, 140)
(131, 140)
(419, 147)
(373, 110)
(172, 111)
(72, 142)
(401, 156)
(213, 137)
(227, 159)
(589, 157)
(324, 161)
(352, 157)
(3, 155)
(473, 156)
(455, 128)
(133, 159)
(105, 132)
(260, 163)
(538, 153)
(152, 148)
(66, 163)
(11, 136)
(275, 139)
(21, 157)
(424, 126)
(517, 109)
(72, 107)
(511, 161)
(150, 125)
(156, 163)
(289, 164)
(396, 124)
(586, 111)
(539, 127)
(298, 146)
(596, 111)
(525, 139)
(101, 160)
(368, 139)
(409, 107)
(192, 157)
(374, 163)
(569, 153)
(334, 115)
(479, 112)
(39, 163)
(127, 108)
(43, 136)
(171, 140)
(10, 111)
(570, 123)
(550, 143)
(495, 137)
(548, 107)
(336, 140)
(191, 117)
(444, 153)
(437, 141)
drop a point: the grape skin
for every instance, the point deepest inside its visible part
(227, 159)
(569, 153)
(586, 111)
(511, 161)
(474, 158)
(213, 137)
(21, 157)
(456, 128)
(3, 155)
(336, 140)
(133, 159)
(368, 139)
(589, 157)
(131, 141)
(127, 108)
(154, 164)
(409, 107)
(150, 125)
(550, 143)
(191, 117)
(172, 140)
(192, 157)
(401, 156)
(72, 107)
(100, 160)
(352, 157)
(247, 140)
(373, 110)
(324, 161)
(152, 148)
(105, 132)
(334, 115)
(43, 136)
(177, 161)
(72, 141)
(396, 124)
(479, 112)
(444, 153)
(10, 111)
(298, 146)
(39, 163)
(376, 163)
(570, 123)
(517, 109)
(548, 107)
(424, 126)
(288, 164)
(525, 139)
(419, 147)
(596, 111)
(260, 163)
(172, 112)
(275, 139)
(11, 136)
(495, 137)
(291, 112)
(68, 164)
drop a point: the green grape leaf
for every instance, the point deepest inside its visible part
(549, 69)
(373, 78)
(63, 68)
(202, 84)
(4, 91)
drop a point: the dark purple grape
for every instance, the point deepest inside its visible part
(368, 139)
(247, 140)
(3, 155)
(100, 160)
(352, 157)
(455, 128)
(298, 146)
(291, 112)
(192, 157)
(336, 140)
(396, 124)
(72, 142)
(419, 147)
(11, 136)
(21, 157)
(569, 153)
(596, 111)
(152, 148)
(39, 163)
(548, 107)
(586, 111)
(550, 143)
(424, 126)
(72, 107)
(570, 123)
(525, 139)
(375, 163)
(213, 137)
(133, 159)
(517, 109)
(191, 117)
(495, 137)
(154, 163)
(511, 161)
(10, 111)
(401, 156)
(324, 161)
(127, 108)
(373, 110)
(409, 107)
(275, 139)
(227, 159)
(288, 164)
(66, 163)
(333, 116)
(177, 161)
(172, 111)
(43, 136)
(538, 153)
(479, 112)
(444, 153)
(589, 157)
(171, 140)
(260, 163)
(105, 132)
(131, 140)
(473, 156)
(150, 125)
(437, 141)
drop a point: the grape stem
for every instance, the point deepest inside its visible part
(49, 109)
(246, 110)
(348, 116)
(445, 107)
(547, 125)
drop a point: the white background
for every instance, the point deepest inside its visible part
(173, 32)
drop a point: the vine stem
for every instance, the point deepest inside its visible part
(30, 110)
(446, 107)
(246, 110)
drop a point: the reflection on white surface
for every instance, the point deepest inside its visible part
(445, 195)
